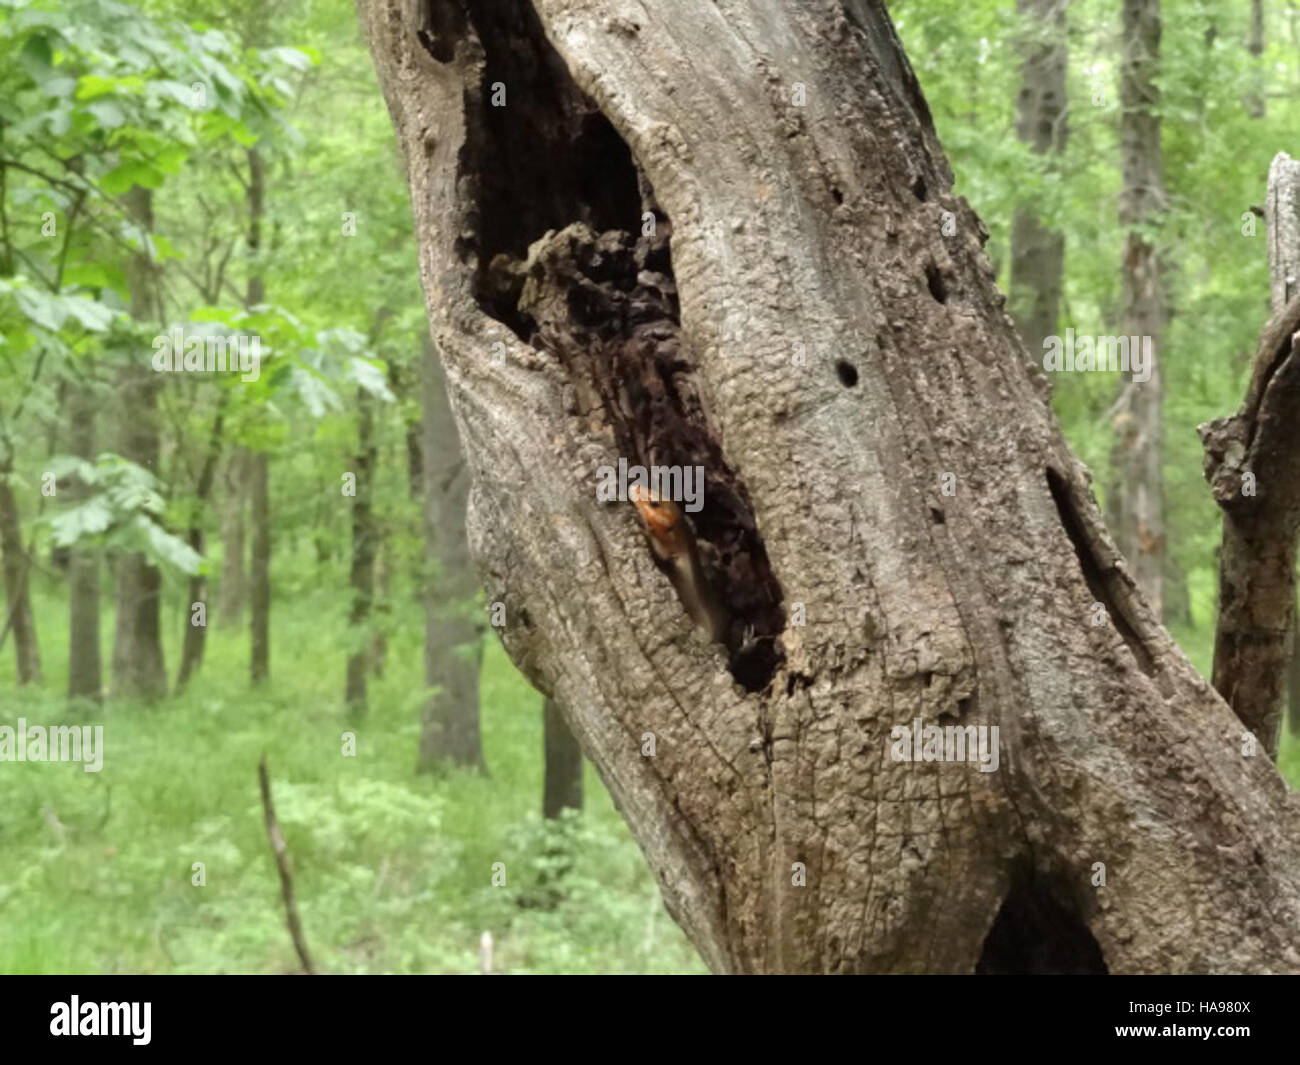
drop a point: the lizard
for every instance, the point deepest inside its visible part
(673, 544)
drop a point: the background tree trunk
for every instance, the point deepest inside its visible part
(562, 783)
(1038, 253)
(138, 667)
(362, 574)
(195, 636)
(16, 564)
(85, 672)
(234, 577)
(891, 516)
(1136, 502)
(260, 463)
(453, 641)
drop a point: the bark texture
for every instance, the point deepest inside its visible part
(884, 457)
(453, 638)
(1254, 473)
(1136, 503)
(1037, 252)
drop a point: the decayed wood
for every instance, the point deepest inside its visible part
(839, 339)
(1254, 472)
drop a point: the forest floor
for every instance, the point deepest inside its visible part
(393, 869)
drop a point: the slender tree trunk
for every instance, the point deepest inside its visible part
(381, 605)
(17, 577)
(1256, 105)
(234, 577)
(453, 643)
(260, 462)
(362, 577)
(1136, 501)
(138, 667)
(196, 634)
(562, 785)
(85, 671)
(896, 529)
(1038, 253)
(260, 492)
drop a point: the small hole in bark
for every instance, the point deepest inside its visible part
(837, 196)
(918, 189)
(934, 280)
(937, 516)
(847, 372)
(1038, 932)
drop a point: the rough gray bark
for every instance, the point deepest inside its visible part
(453, 640)
(1254, 472)
(1038, 253)
(85, 669)
(813, 233)
(562, 781)
(1136, 501)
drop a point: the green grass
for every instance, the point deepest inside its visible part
(392, 869)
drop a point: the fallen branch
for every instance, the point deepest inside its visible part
(285, 867)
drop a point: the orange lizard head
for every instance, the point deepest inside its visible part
(662, 520)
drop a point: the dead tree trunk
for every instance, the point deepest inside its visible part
(892, 521)
(1254, 472)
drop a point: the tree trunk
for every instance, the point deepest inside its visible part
(1038, 253)
(362, 577)
(196, 634)
(139, 670)
(1136, 501)
(260, 629)
(17, 577)
(891, 518)
(453, 642)
(260, 463)
(1254, 472)
(85, 671)
(562, 784)
(234, 578)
